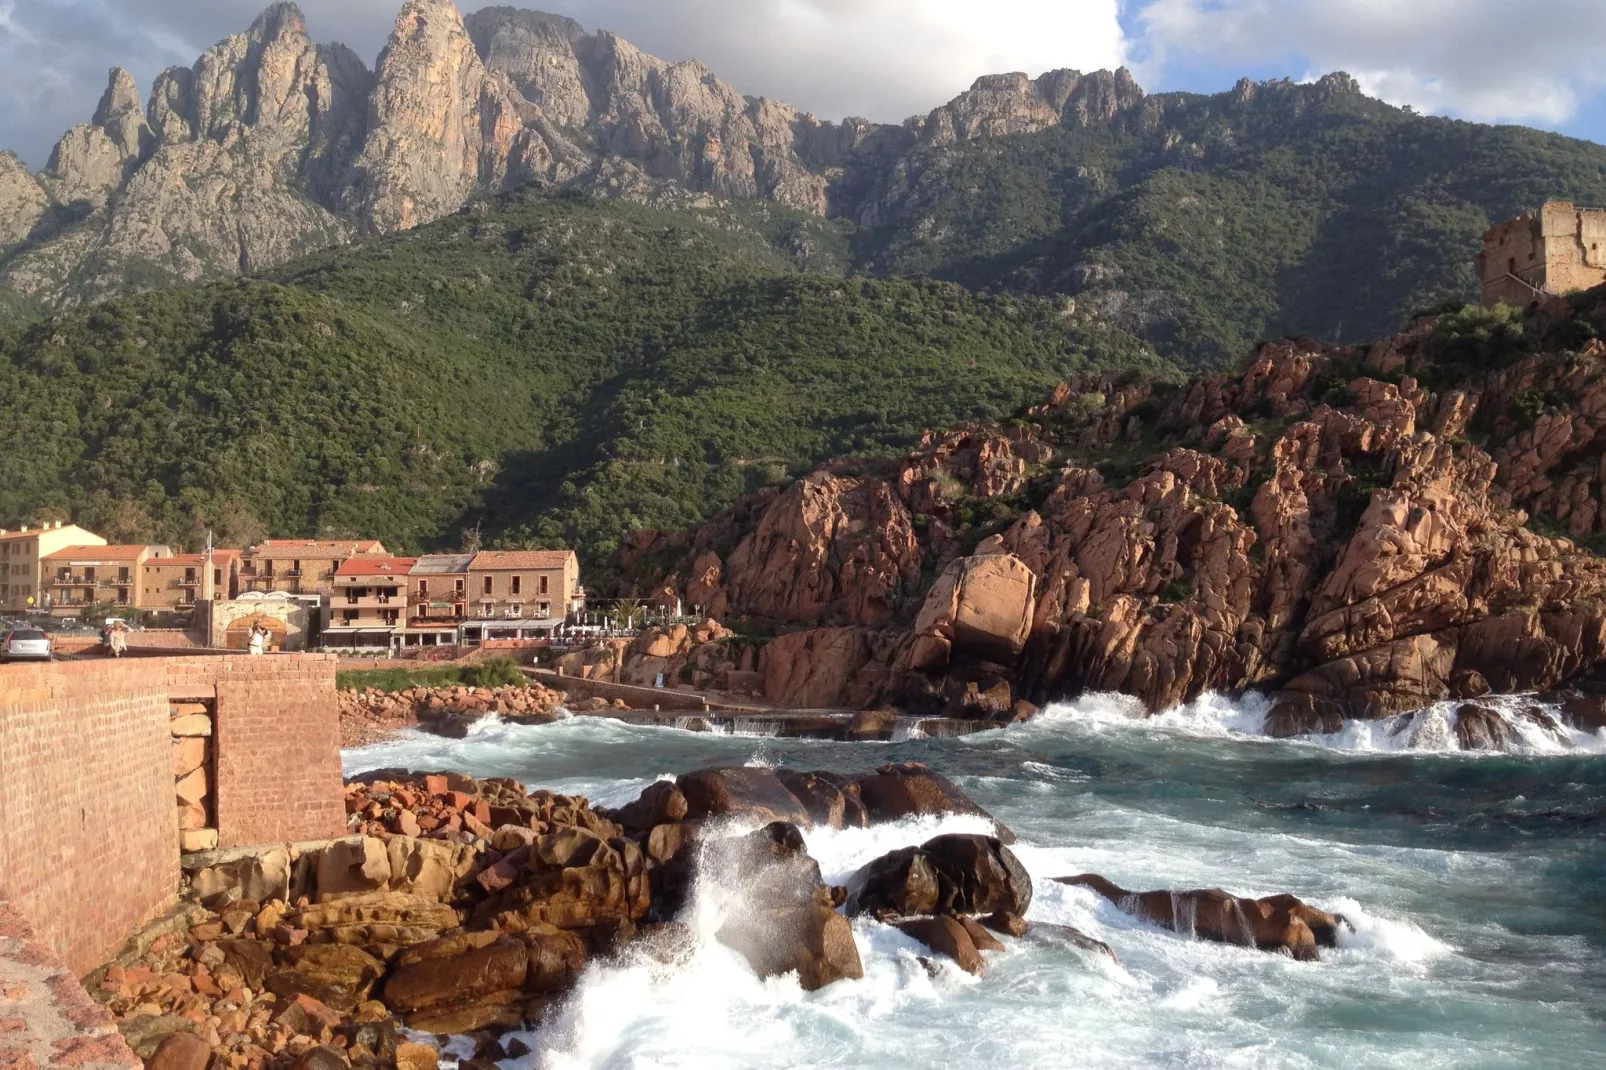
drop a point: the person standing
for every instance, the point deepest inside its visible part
(119, 639)
(259, 638)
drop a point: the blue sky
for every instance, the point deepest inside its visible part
(1537, 62)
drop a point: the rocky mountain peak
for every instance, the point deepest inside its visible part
(120, 98)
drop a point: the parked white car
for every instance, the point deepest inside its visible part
(26, 644)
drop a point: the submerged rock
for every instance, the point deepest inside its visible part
(1276, 923)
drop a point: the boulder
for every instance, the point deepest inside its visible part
(259, 877)
(1480, 728)
(323, 1057)
(251, 959)
(457, 980)
(658, 804)
(945, 875)
(901, 883)
(429, 869)
(810, 939)
(946, 936)
(980, 606)
(1069, 937)
(353, 867)
(145, 1033)
(770, 867)
(907, 789)
(180, 1051)
(336, 974)
(389, 919)
(574, 880)
(1280, 923)
(823, 798)
(750, 793)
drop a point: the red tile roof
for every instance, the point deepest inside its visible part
(318, 549)
(377, 566)
(495, 560)
(98, 553)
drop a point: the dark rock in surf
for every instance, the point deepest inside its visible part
(908, 789)
(746, 792)
(945, 875)
(1281, 923)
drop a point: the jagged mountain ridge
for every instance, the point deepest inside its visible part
(1201, 223)
(272, 146)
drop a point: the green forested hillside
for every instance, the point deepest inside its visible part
(555, 369)
(1208, 223)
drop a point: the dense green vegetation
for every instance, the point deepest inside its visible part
(498, 671)
(544, 370)
(1208, 223)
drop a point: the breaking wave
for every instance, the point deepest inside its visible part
(1518, 724)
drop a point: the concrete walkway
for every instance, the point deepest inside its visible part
(46, 1017)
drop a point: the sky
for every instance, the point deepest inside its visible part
(1537, 62)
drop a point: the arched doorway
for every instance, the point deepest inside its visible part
(238, 634)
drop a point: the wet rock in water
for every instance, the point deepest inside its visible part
(1276, 923)
(771, 866)
(1546, 722)
(659, 804)
(1430, 730)
(785, 919)
(1480, 728)
(908, 789)
(1070, 937)
(748, 792)
(901, 883)
(946, 936)
(822, 797)
(945, 875)
(812, 939)
(984, 940)
(1007, 923)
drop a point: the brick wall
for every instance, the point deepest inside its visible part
(88, 829)
(278, 751)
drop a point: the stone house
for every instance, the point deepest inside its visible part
(81, 576)
(368, 608)
(301, 566)
(1558, 250)
(23, 587)
(521, 594)
(184, 580)
(437, 599)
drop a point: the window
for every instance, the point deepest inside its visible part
(89, 575)
(122, 575)
(1511, 265)
(423, 588)
(217, 576)
(487, 585)
(515, 609)
(546, 610)
(459, 587)
(189, 575)
(518, 584)
(351, 616)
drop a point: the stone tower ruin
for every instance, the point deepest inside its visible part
(1559, 250)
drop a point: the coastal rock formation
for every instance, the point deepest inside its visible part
(1281, 923)
(1353, 553)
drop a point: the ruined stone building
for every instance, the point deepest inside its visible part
(1559, 250)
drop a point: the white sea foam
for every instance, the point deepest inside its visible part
(1533, 729)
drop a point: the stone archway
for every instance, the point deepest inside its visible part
(238, 634)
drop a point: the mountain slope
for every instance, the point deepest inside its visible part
(1203, 223)
(557, 368)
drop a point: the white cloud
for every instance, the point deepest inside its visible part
(1489, 60)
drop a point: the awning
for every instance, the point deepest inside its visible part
(361, 631)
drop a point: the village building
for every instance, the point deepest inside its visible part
(183, 581)
(521, 595)
(301, 566)
(368, 607)
(1556, 251)
(82, 576)
(23, 586)
(437, 600)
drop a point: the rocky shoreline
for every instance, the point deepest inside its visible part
(469, 909)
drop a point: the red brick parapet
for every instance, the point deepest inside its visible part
(89, 838)
(46, 1017)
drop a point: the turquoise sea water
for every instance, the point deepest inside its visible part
(1476, 884)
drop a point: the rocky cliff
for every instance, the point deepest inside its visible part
(272, 146)
(1355, 531)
